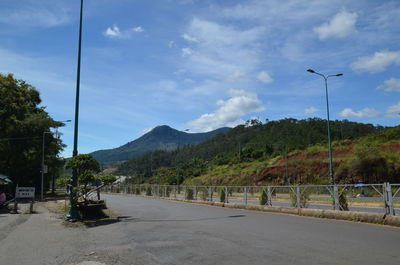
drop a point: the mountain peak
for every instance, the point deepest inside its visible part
(161, 137)
(162, 128)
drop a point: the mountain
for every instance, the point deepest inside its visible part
(258, 143)
(160, 138)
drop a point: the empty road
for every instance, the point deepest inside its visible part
(154, 232)
(166, 232)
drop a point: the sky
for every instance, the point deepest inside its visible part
(202, 64)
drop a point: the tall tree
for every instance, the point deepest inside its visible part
(22, 125)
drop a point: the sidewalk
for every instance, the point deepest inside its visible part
(39, 238)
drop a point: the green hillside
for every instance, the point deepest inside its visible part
(370, 159)
(255, 153)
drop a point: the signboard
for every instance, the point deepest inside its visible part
(25, 192)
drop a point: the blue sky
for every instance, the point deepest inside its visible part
(202, 65)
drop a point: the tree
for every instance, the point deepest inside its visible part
(85, 166)
(23, 122)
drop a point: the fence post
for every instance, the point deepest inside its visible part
(298, 194)
(336, 198)
(245, 195)
(174, 191)
(269, 194)
(388, 197)
(210, 193)
(195, 193)
(226, 194)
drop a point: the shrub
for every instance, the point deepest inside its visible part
(137, 190)
(264, 197)
(204, 194)
(167, 192)
(304, 197)
(222, 194)
(189, 194)
(148, 191)
(343, 205)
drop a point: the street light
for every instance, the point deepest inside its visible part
(329, 130)
(73, 213)
(44, 170)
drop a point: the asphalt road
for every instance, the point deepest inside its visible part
(179, 233)
(151, 231)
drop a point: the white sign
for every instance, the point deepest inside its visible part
(25, 192)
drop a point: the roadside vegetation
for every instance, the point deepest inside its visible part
(26, 127)
(287, 151)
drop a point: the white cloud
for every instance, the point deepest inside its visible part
(392, 84)
(340, 26)
(37, 14)
(138, 29)
(364, 113)
(229, 112)
(186, 52)
(116, 33)
(393, 111)
(113, 32)
(189, 38)
(171, 44)
(264, 77)
(377, 62)
(220, 49)
(310, 110)
(238, 76)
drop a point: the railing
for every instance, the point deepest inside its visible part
(374, 198)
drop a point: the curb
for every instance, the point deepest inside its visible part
(372, 218)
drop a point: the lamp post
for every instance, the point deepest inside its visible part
(329, 130)
(43, 168)
(73, 213)
(43, 171)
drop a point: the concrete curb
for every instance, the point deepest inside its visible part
(372, 218)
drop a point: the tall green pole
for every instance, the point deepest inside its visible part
(73, 213)
(332, 180)
(329, 134)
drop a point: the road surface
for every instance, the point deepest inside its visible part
(152, 231)
(180, 233)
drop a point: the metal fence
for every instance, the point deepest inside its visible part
(374, 198)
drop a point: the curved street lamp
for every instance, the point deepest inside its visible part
(329, 130)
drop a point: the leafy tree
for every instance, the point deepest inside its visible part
(23, 122)
(85, 167)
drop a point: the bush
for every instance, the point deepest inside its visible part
(189, 194)
(148, 191)
(204, 194)
(137, 190)
(264, 197)
(167, 192)
(343, 204)
(222, 194)
(304, 197)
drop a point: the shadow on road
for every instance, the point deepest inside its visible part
(139, 220)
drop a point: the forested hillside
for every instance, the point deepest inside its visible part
(160, 138)
(251, 143)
